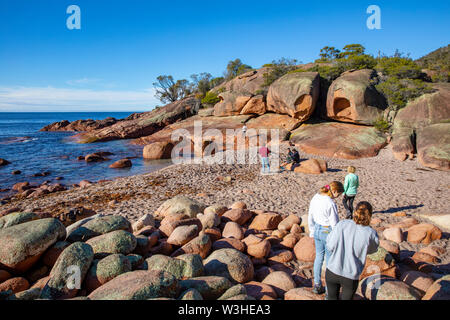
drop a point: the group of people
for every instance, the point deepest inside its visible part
(264, 152)
(344, 244)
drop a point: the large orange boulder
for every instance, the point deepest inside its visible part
(305, 250)
(241, 94)
(312, 166)
(422, 127)
(266, 221)
(288, 222)
(256, 105)
(259, 250)
(240, 216)
(158, 150)
(424, 233)
(294, 94)
(233, 230)
(433, 149)
(393, 234)
(353, 98)
(339, 140)
(283, 122)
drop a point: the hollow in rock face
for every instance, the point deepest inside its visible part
(342, 108)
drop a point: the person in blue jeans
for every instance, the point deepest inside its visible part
(264, 153)
(322, 217)
(351, 185)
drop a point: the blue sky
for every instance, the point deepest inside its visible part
(112, 62)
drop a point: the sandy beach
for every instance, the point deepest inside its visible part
(389, 185)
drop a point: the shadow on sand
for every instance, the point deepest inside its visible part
(399, 209)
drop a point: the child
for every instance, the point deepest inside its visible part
(349, 243)
(322, 217)
(351, 185)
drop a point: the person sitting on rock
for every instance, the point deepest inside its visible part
(351, 185)
(349, 243)
(322, 217)
(295, 156)
(288, 160)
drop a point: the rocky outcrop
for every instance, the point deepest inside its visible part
(241, 95)
(422, 127)
(294, 94)
(80, 125)
(433, 146)
(353, 98)
(145, 124)
(339, 140)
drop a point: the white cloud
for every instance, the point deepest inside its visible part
(82, 82)
(15, 99)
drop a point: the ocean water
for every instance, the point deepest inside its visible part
(32, 151)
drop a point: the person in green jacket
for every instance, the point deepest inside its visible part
(351, 185)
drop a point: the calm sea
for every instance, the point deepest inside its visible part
(31, 151)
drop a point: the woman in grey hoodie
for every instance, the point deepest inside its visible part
(348, 244)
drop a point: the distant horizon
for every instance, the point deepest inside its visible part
(122, 47)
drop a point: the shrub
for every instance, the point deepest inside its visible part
(399, 91)
(437, 61)
(356, 62)
(210, 98)
(277, 70)
(381, 125)
(261, 91)
(402, 68)
(327, 72)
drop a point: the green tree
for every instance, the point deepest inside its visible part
(352, 50)
(168, 90)
(235, 68)
(216, 82)
(201, 83)
(277, 69)
(328, 54)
